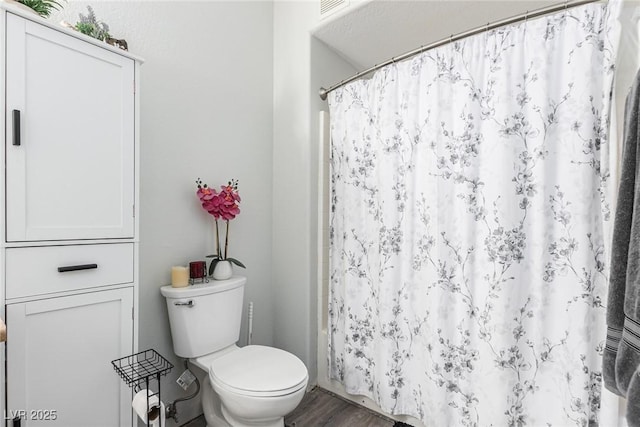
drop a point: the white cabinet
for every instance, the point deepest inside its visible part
(70, 107)
(68, 262)
(58, 353)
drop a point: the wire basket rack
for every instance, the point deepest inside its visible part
(138, 370)
(140, 367)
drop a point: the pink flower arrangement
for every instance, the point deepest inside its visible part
(222, 205)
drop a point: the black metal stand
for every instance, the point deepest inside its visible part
(140, 368)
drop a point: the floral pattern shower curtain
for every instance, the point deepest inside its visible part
(468, 196)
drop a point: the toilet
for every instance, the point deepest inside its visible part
(246, 386)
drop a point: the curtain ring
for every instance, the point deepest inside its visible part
(526, 16)
(451, 39)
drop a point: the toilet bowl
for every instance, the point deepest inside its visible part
(258, 384)
(251, 386)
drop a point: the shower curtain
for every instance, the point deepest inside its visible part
(469, 197)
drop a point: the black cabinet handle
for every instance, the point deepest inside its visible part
(17, 422)
(16, 127)
(77, 267)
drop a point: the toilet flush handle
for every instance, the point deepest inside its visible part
(189, 303)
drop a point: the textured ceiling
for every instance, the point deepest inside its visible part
(370, 32)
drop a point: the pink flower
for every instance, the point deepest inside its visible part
(222, 205)
(208, 198)
(226, 202)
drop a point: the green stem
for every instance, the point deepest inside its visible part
(226, 241)
(218, 241)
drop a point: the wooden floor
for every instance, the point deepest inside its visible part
(319, 408)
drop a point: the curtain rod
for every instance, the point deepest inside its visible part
(490, 26)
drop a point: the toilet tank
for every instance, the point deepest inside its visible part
(205, 318)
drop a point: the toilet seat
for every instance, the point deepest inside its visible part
(259, 371)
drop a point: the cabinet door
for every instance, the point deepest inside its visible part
(59, 354)
(72, 176)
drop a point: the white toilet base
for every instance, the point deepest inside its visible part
(236, 422)
(217, 416)
(211, 406)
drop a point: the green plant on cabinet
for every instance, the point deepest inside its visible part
(42, 7)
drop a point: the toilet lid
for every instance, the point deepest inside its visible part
(260, 369)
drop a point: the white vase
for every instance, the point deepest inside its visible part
(222, 270)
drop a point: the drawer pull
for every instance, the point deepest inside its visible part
(16, 126)
(77, 267)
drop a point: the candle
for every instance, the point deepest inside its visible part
(179, 276)
(196, 270)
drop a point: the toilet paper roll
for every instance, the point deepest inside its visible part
(152, 414)
(156, 422)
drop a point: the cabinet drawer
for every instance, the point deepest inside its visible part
(45, 270)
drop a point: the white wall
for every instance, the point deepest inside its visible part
(327, 68)
(291, 163)
(206, 111)
(301, 65)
